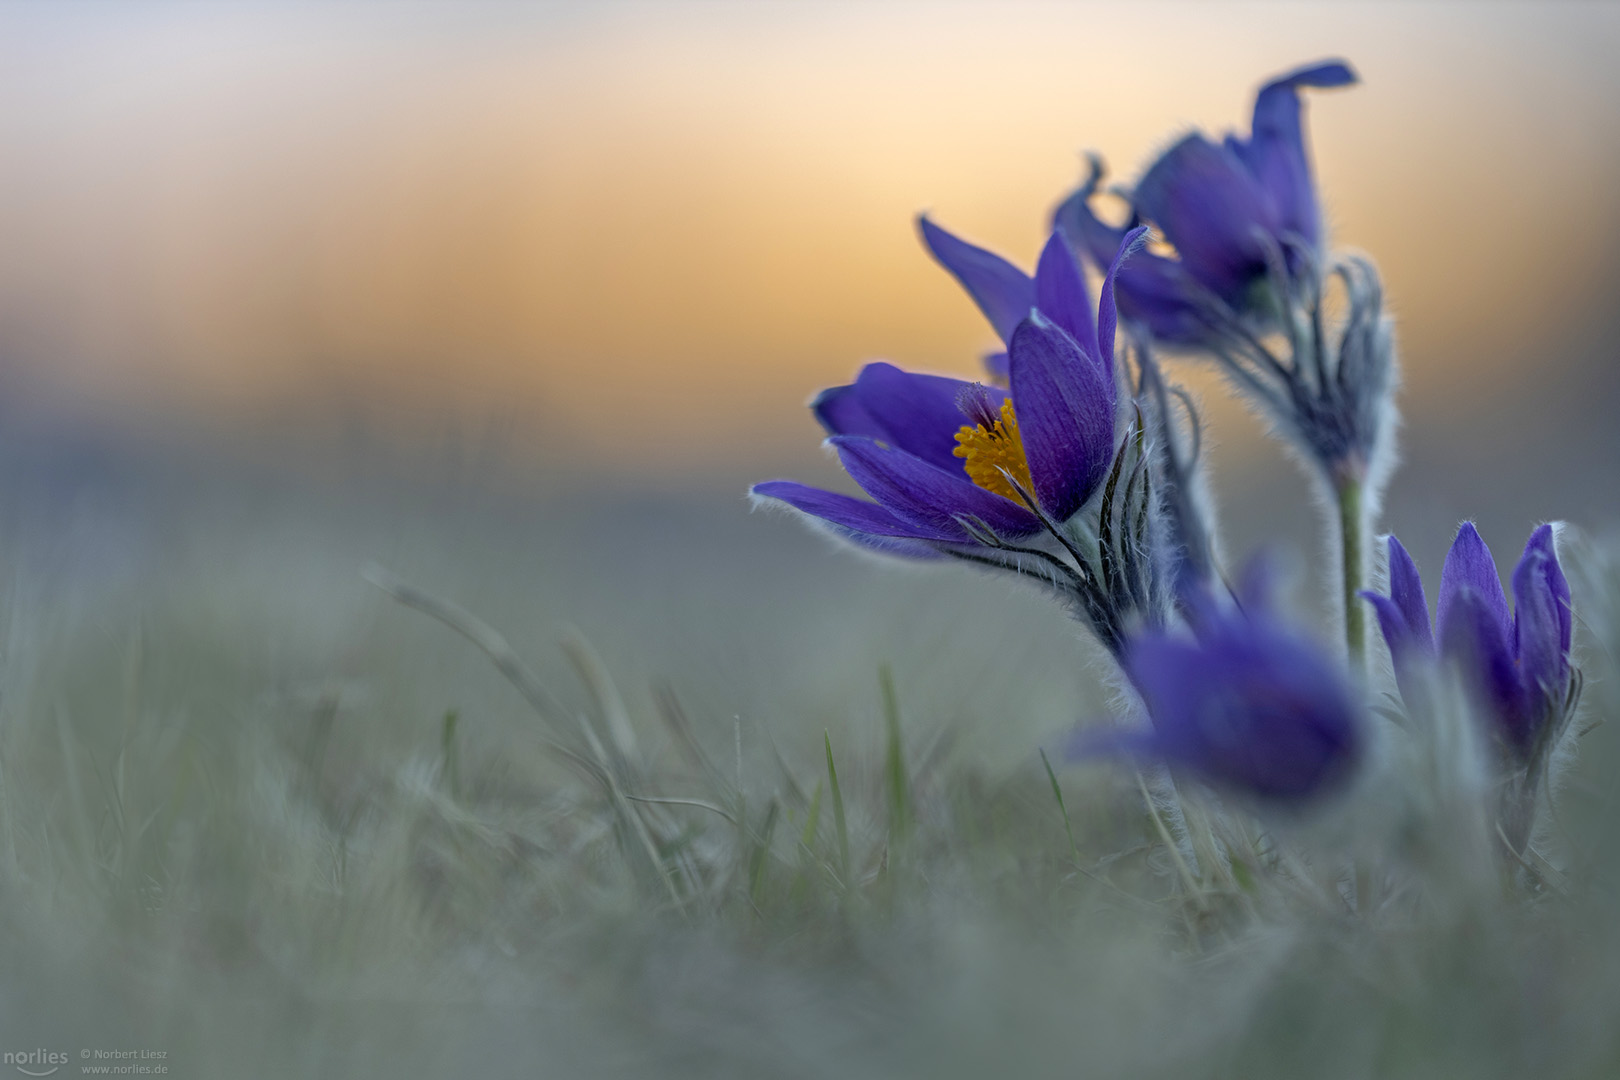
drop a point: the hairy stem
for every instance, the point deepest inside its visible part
(1352, 536)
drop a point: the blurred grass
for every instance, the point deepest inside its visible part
(255, 814)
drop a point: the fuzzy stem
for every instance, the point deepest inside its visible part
(1164, 806)
(1352, 530)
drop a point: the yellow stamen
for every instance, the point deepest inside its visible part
(987, 452)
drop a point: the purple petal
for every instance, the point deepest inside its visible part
(917, 413)
(1152, 290)
(1252, 705)
(927, 496)
(1275, 151)
(1172, 676)
(1060, 293)
(1154, 293)
(840, 412)
(1003, 292)
(997, 367)
(1323, 75)
(1542, 540)
(1065, 402)
(1209, 205)
(1396, 630)
(844, 511)
(1537, 627)
(1406, 591)
(1473, 634)
(1469, 567)
(1403, 617)
(1107, 316)
(1089, 234)
(864, 524)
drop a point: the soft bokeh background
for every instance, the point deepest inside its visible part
(617, 245)
(517, 299)
(559, 278)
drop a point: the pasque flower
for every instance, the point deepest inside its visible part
(1232, 210)
(960, 469)
(1246, 703)
(1518, 662)
(1249, 268)
(945, 459)
(1246, 226)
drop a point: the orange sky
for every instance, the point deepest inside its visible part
(644, 234)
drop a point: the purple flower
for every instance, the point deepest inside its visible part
(1247, 703)
(950, 464)
(1231, 210)
(1518, 662)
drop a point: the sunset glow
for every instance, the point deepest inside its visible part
(643, 234)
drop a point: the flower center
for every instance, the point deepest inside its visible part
(991, 454)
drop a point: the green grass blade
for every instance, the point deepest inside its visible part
(839, 820)
(452, 756)
(1057, 793)
(762, 850)
(894, 765)
(812, 819)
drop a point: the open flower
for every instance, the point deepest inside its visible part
(1518, 662)
(952, 463)
(1232, 210)
(1246, 703)
(995, 476)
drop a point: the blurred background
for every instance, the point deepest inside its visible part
(310, 283)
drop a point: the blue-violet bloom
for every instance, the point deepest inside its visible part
(1247, 703)
(1518, 662)
(1232, 210)
(944, 459)
(960, 469)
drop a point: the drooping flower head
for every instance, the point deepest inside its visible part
(1246, 703)
(1248, 286)
(1230, 209)
(1518, 662)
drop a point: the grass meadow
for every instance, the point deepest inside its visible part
(727, 804)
